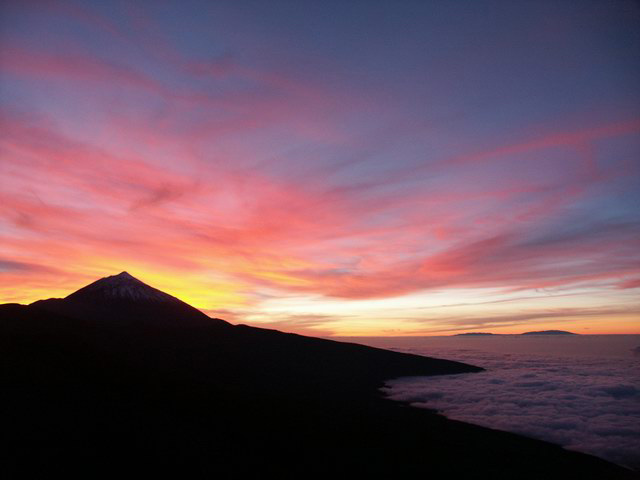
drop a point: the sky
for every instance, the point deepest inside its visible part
(329, 168)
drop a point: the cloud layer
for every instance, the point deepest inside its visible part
(585, 403)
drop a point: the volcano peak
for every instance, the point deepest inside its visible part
(122, 286)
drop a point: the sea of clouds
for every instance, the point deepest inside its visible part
(588, 403)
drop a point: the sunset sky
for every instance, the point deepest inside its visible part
(329, 168)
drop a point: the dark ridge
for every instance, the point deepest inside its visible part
(87, 396)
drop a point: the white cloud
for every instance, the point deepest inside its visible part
(587, 404)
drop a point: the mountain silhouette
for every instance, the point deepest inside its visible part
(549, 332)
(121, 377)
(124, 300)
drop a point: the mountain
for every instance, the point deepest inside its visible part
(121, 305)
(124, 300)
(549, 332)
(119, 376)
(473, 334)
(122, 287)
(544, 332)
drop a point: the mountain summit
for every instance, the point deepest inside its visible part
(124, 287)
(124, 300)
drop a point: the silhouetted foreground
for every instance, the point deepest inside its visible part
(87, 396)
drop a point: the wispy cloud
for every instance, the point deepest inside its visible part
(243, 170)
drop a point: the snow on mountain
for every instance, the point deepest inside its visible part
(122, 287)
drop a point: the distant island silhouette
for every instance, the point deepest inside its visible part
(474, 334)
(543, 332)
(550, 332)
(120, 376)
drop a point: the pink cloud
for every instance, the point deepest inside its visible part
(268, 231)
